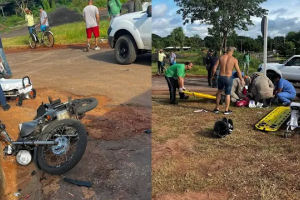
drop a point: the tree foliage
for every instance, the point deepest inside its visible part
(224, 15)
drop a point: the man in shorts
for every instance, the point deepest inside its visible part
(91, 19)
(227, 63)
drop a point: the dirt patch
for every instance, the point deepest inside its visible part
(110, 158)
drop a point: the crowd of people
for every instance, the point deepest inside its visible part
(234, 85)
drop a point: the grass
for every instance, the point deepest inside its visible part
(199, 68)
(73, 33)
(248, 164)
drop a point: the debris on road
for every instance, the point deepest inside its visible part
(79, 183)
(148, 131)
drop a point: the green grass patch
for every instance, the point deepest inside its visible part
(73, 33)
(248, 164)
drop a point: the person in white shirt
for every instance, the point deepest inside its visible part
(91, 19)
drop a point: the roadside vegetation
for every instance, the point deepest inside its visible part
(73, 33)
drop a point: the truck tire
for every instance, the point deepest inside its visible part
(125, 50)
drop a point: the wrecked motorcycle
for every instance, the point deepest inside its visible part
(54, 139)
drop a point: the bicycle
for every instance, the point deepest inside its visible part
(47, 38)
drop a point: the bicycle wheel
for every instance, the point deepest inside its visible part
(48, 39)
(32, 41)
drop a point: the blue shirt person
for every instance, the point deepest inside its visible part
(284, 90)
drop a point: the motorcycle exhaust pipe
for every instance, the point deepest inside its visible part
(35, 143)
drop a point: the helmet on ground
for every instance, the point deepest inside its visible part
(43, 27)
(223, 127)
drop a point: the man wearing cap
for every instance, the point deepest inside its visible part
(175, 78)
(44, 18)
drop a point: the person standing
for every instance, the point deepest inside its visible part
(209, 61)
(43, 18)
(160, 62)
(214, 60)
(137, 5)
(29, 19)
(246, 63)
(7, 74)
(114, 8)
(172, 58)
(227, 63)
(4, 105)
(284, 90)
(175, 79)
(91, 19)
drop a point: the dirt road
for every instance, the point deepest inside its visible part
(117, 160)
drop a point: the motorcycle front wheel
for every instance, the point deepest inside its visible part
(62, 157)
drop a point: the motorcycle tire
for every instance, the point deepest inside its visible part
(85, 105)
(80, 148)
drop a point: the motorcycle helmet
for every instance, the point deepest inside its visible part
(43, 27)
(223, 127)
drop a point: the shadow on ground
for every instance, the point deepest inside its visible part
(106, 57)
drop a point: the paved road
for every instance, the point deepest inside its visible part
(96, 72)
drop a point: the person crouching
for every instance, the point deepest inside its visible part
(175, 78)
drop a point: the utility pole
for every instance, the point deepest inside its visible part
(264, 31)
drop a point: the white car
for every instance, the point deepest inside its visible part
(289, 70)
(130, 35)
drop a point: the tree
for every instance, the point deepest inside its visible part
(224, 15)
(178, 37)
(287, 48)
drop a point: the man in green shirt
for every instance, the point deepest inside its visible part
(114, 8)
(246, 63)
(175, 78)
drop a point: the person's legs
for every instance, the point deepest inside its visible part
(247, 68)
(4, 105)
(96, 35)
(219, 93)
(158, 67)
(5, 63)
(209, 76)
(228, 85)
(244, 67)
(285, 97)
(171, 90)
(174, 84)
(89, 35)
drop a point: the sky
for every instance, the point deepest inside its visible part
(283, 17)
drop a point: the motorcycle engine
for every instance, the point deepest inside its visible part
(64, 114)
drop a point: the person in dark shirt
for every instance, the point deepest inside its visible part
(209, 67)
(3, 60)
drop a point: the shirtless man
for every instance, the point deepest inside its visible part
(227, 63)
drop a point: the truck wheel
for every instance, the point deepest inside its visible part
(125, 51)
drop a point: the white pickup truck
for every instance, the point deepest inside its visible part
(290, 69)
(130, 35)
